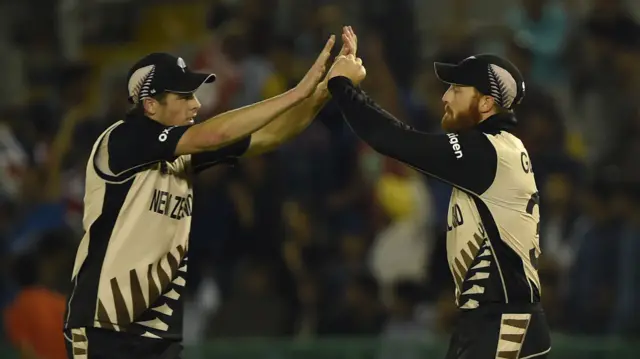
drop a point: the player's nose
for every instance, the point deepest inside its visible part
(195, 104)
(446, 95)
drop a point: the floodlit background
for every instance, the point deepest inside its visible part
(324, 247)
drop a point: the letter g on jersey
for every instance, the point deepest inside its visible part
(455, 144)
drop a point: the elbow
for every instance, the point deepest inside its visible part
(222, 133)
(221, 137)
(263, 141)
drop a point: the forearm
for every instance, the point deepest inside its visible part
(298, 118)
(234, 125)
(379, 129)
(438, 155)
(289, 124)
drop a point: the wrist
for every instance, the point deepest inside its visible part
(339, 82)
(322, 92)
(298, 95)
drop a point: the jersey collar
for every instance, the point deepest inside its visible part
(498, 122)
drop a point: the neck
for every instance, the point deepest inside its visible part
(154, 117)
(484, 116)
(495, 122)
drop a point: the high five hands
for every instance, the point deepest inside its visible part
(345, 64)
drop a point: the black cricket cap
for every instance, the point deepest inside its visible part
(160, 72)
(491, 75)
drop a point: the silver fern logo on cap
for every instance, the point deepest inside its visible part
(140, 83)
(502, 85)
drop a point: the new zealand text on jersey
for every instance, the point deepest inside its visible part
(456, 218)
(176, 207)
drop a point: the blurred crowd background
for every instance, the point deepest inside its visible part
(324, 237)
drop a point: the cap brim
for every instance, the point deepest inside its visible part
(449, 73)
(192, 81)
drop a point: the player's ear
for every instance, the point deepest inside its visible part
(486, 104)
(150, 106)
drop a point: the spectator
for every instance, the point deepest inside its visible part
(589, 285)
(254, 309)
(33, 321)
(361, 312)
(625, 319)
(542, 27)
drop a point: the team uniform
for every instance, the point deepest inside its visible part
(130, 268)
(492, 230)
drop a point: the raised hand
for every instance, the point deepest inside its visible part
(349, 48)
(348, 66)
(349, 42)
(312, 78)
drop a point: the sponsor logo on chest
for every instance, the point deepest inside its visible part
(455, 144)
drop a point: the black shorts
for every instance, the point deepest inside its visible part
(501, 331)
(96, 343)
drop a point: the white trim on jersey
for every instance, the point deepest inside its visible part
(537, 354)
(528, 281)
(504, 284)
(101, 160)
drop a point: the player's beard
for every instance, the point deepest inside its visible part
(462, 120)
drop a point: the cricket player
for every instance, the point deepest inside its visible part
(130, 267)
(493, 220)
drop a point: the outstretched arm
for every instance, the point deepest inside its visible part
(131, 145)
(288, 125)
(232, 126)
(297, 119)
(468, 160)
